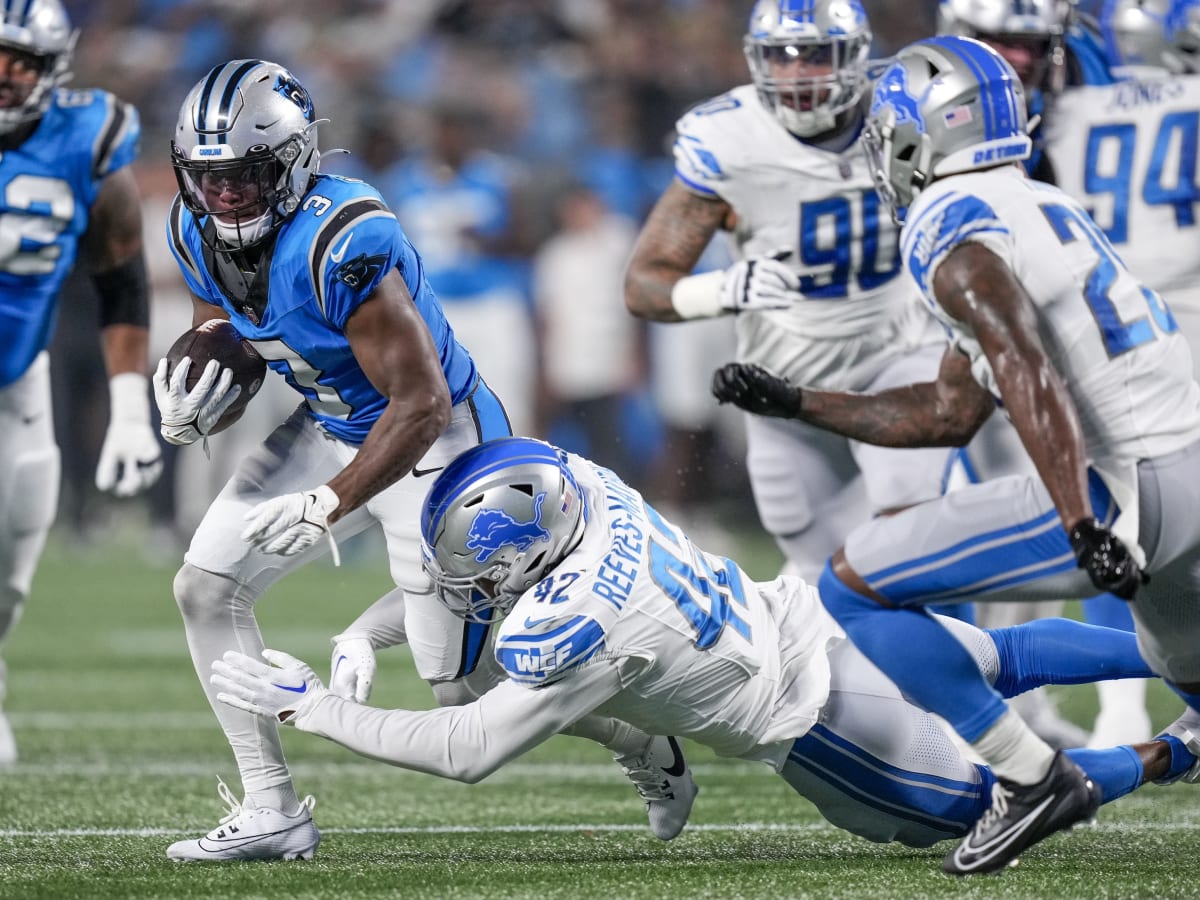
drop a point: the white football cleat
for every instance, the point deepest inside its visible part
(663, 779)
(253, 834)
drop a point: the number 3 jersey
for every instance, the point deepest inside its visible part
(821, 206)
(324, 261)
(49, 185)
(1128, 152)
(1113, 340)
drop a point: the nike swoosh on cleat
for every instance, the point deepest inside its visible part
(337, 254)
(679, 766)
(295, 690)
(985, 852)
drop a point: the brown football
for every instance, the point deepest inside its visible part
(218, 339)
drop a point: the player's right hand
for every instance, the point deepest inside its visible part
(761, 282)
(754, 389)
(352, 668)
(187, 415)
(1107, 561)
(284, 691)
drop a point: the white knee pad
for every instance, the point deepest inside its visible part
(977, 643)
(203, 595)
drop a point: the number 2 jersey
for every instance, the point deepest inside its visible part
(821, 206)
(636, 623)
(324, 261)
(1113, 340)
(1128, 152)
(49, 184)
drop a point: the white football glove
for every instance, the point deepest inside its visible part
(186, 415)
(131, 458)
(292, 523)
(284, 691)
(352, 668)
(762, 282)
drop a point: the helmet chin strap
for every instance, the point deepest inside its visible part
(242, 234)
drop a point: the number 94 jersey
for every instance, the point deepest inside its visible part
(49, 184)
(821, 206)
(736, 665)
(1128, 153)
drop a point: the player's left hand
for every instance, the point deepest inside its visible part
(1107, 561)
(285, 690)
(292, 523)
(130, 459)
(756, 390)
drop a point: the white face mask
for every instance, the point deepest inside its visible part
(244, 233)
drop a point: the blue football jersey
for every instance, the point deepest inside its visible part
(326, 259)
(49, 185)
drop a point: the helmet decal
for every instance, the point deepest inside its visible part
(492, 529)
(892, 90)
(289, 87)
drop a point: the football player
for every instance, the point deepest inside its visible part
(1097, 378)
(67, 192)
(608, 605)
(817, 291)
(316, 272)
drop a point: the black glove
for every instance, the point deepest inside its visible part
(1106, 559)
(756, 390)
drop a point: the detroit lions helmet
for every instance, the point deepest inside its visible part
(808, 60)
(40, 35)
(945, 105)
(497, 519)
(245, 149)
(1037, 25)
(1163, 34)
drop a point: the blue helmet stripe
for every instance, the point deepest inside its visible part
(220, 115)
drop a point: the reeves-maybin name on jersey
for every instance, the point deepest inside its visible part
(50, 183)
(325, 260)
(821, 205)
(1128, 153)
(736, 665)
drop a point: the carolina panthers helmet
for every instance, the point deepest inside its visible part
(1162, 34)
(245, 149)
(41, 32)
(497, 519)
(1038, 24)
(945, 105)
(830, 36)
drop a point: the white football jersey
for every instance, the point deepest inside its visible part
(822, 206)
(1112, 339)
(1128, 152)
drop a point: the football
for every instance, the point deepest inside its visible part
(218, 339)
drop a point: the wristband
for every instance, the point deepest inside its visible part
(698, 296)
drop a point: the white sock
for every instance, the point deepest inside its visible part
(1013, 751)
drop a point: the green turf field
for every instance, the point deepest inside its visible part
(119, 757)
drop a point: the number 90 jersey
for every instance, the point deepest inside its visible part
(736, 665)
(325, 261)
(1113, 340)
(821, 205)
(1128, 152)
(49, 184)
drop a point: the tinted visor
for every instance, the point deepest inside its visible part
(233, 189)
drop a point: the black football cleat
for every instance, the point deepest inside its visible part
(1023, 814)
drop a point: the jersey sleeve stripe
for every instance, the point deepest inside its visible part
(115, 127)
(343, 218)
(175, 220)
(696, 186)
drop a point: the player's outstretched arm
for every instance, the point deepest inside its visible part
(942, 413)
(465, 743)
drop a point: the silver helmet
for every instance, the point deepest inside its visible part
(245, 149)
(786, 39)
(497, 519)
(39, 34)
(1162, 34)
(1037, 25)
(946, 104)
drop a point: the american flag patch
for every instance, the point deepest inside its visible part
(960, 115)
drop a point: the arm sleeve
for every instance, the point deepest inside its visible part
(465, 743)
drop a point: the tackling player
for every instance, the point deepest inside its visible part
(66, 191)
(608, 606)
(315, 271)
(1092, 369)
